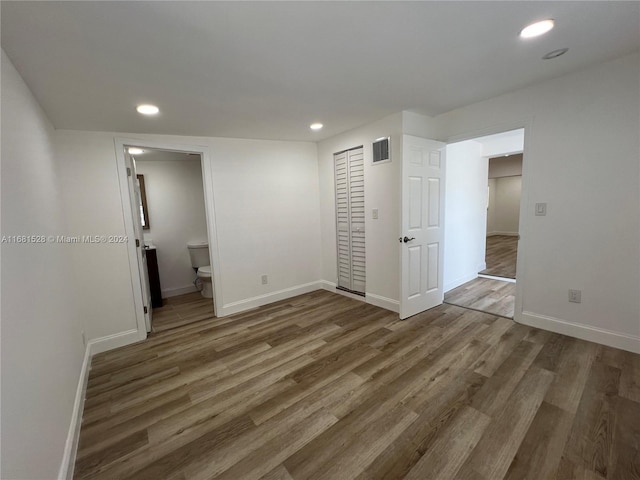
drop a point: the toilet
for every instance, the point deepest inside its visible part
(199, 253)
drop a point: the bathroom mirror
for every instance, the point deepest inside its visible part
(144, 212)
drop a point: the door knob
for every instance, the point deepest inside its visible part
(407, 239)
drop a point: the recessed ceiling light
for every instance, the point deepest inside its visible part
(147, 109)
(315, 126)
(537, 28)
(135, 151)
(555, 53)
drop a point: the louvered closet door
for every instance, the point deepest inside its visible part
(349, 174)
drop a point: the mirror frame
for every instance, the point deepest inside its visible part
(143, 198)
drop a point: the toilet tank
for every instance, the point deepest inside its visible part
(199, 253)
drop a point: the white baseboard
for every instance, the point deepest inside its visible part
(630, 343)
(71, 445)
(371, 298)
(174, 292)
(97, 345)
(460, 281)
(254, 302)
(102, 344)
(506, 234)
(500, 279)
(383, 302)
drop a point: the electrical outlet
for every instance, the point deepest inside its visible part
(374, 213)
(265, 279)
(575, 296)
(84, 339)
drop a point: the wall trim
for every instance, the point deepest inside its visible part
(331, 287)
(383, 302)
(174, 292)
(370, 298)
(258, 301)
(460, 281)
(97, 345)
(630, 343)
(71, 445)
(500, 279)
(102, 344)
(503, 234)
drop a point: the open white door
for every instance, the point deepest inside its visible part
(422, 238)
(141, 253)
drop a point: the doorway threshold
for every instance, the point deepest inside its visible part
(493, 277)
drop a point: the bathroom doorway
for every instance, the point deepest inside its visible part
(175, 210)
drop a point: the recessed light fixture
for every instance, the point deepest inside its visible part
(316, 126)
(555, 53)
(147, 109)
(536, 29)
(135, 151)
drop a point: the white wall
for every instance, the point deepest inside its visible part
(266, 204)
(581, 158)
(505, 142)
(42, 348)
(382, 184)
(503, 216)
(465, 213)
(176, 208)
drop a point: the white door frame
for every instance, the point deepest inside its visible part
(207, 180)
(525, 209)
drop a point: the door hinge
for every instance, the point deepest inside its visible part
(146, 310)
(137, 242)
(128, 172)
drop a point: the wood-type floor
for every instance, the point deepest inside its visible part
(181, 310)
(325, 387)
(484, 294)
(501, 256)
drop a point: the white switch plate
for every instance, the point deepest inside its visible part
(265, 279)
(575, 296)
(374, 213)
(541, 209)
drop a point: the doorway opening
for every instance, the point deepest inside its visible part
(168, 210)
(482, 222)
(503, 215)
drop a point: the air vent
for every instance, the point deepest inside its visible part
(381, 151)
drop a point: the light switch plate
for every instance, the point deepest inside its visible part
(374, 213)
(541, 209)
(575, 296)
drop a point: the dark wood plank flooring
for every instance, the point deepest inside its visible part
(501, 254)
(484, 294)
(181, 310)
(325, 387)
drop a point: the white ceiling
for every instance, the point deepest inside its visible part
(269, 69)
